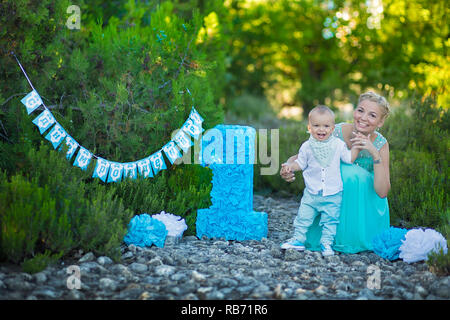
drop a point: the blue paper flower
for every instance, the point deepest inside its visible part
(387, 243)
(143, 231)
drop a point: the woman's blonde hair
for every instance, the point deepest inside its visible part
(374, 97)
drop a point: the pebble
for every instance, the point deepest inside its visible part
(87, 257)
(104, 261)
(164, 270)
(192, 268)
(138, 267)
(107, 284)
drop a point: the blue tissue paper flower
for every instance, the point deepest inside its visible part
(143, 231)
(387, 243)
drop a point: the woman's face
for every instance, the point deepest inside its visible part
(368, 116)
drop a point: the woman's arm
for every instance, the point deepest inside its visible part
(381, 181)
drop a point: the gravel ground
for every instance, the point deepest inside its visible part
(218, 269)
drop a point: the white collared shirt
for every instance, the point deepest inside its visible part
(328, 179)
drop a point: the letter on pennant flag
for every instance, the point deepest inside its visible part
(157, 162)
(44, 121)
(145, 168)
(129, 170)
(115, 172)
(171, 152)
(83, 158)
(72, 144)
(191, 128)
(101, 169)
(32, 101)
(183, 141)
(56, 135)
(196, 117)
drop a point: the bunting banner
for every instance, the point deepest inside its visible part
(106, 170)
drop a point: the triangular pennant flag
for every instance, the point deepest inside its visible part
(115, 172)
(44, 121)
(182, 140)
(56, 135)
(145, 168)
(83, 158)
(130, 170)
(171, 152)
(72, 146)
(195, 116)
(192, 128)
(101, 169)
(32, 101)
(157, 162)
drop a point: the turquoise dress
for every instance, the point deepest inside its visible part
(363, 213)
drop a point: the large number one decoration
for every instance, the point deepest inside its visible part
(231, 215)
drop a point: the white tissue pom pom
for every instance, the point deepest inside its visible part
(175, 225)
(419, 243)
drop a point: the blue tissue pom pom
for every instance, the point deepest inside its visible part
(143, 231)
(387, 243)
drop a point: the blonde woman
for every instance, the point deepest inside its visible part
(366, 183)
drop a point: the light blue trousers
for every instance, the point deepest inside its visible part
(313, 204)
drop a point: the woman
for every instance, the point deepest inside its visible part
(364, 210)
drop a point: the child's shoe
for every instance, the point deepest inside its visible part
(326, 250)
(293, 244)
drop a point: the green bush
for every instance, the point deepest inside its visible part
(439, 262)
(180, 192)
(418, 136)
(102, 228)
(40, 261)
(119, 86)
(418, 196)
(49, 210)
(30, 220)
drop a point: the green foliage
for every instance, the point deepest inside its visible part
(49, 210)
(119, 86)
(439, 262)
(304, 53)
(40, 261)
(181, 192)
(30, 220)
(419, 140)
(419, 191)
(104, 224)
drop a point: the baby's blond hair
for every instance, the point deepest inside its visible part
(378, 99)
(321, 109)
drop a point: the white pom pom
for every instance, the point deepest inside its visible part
(419, 243)
(175, 225)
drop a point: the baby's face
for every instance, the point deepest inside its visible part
(321, 126)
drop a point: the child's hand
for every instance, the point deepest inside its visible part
(285, 168)
(286, 172)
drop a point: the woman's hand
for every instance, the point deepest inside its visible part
(360, 141)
